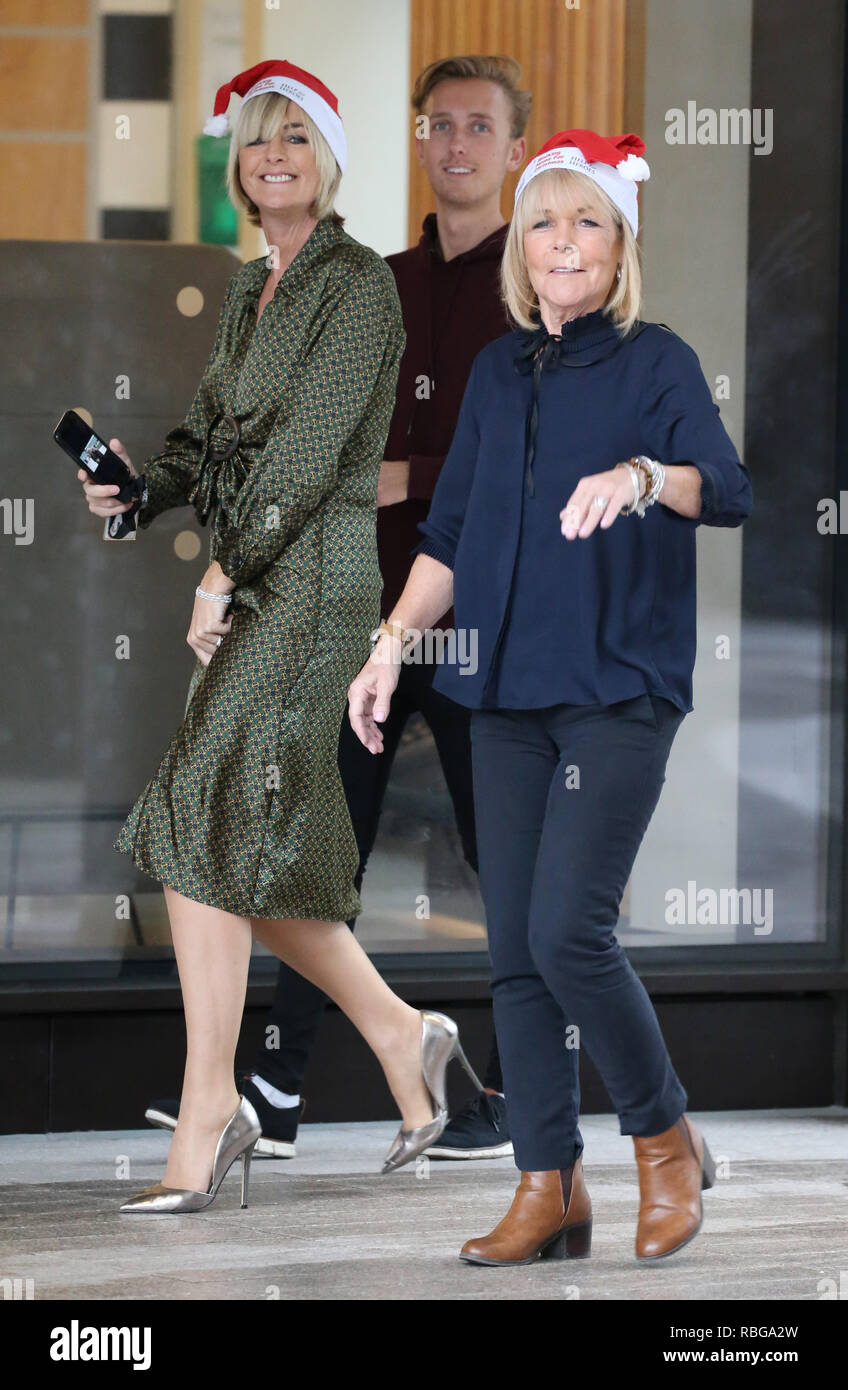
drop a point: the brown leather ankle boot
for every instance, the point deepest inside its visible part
(550, 1218)
(674, 1167)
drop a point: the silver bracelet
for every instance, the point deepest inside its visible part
(657, 480)
(218, 598)
(657, 472)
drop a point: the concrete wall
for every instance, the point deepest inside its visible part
(695, 233)
(362, 53)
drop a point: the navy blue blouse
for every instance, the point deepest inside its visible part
(583, 621)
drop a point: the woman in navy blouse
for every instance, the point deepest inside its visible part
(562, 528)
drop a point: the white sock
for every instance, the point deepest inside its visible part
(281, 1099)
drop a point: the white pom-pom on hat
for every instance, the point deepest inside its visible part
(634, 167)
(216, 125)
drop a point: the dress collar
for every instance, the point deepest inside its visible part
(582, 340)
(323, 237)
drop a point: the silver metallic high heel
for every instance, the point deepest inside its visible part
(439, 1043)
(237, 1141)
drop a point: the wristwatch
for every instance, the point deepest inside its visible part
(408, 637)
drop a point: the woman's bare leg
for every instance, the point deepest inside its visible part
(328, 954)
(212, 950)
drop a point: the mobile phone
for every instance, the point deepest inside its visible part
(90, 452)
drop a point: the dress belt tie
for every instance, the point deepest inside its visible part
(222, 470)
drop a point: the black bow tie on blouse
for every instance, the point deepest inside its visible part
(581, 342)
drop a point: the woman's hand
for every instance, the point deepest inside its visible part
(393, 482)
(580, 515)
(101, 496)
(210, 621)
(369, 694)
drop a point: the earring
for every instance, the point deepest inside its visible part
(618, 274)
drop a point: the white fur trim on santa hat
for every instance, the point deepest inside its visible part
(217, 126)
(622, 190)
(313, 104)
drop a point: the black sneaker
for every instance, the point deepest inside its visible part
(279, 1126)
(479, 1130)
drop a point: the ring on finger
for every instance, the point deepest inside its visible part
(600, 502)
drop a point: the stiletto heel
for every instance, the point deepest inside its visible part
(439, 1044)
(247, 1155)
(237, 1140)
(708, 1170)
(464, 1062)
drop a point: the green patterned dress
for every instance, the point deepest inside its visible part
(246, 810)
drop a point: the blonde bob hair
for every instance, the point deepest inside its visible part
(260, 119)
(557, 190)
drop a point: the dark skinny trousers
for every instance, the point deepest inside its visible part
(554, 862)
(298, 1005)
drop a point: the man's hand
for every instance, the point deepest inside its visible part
(393, 482)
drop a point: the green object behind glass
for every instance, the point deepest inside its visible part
(218, 224)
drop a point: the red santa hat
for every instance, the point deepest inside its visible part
(299, 86)
(615, 163)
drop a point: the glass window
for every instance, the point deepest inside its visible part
(741, 249)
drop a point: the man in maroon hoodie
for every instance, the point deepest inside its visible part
(470, 121)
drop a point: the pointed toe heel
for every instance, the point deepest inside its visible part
(439, 1045)
(238, 1139)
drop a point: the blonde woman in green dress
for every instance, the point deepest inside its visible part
(244, 822)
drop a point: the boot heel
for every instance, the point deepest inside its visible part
(574, 1243)
(708, 1170)
(578, 1240)
(245, 1174)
